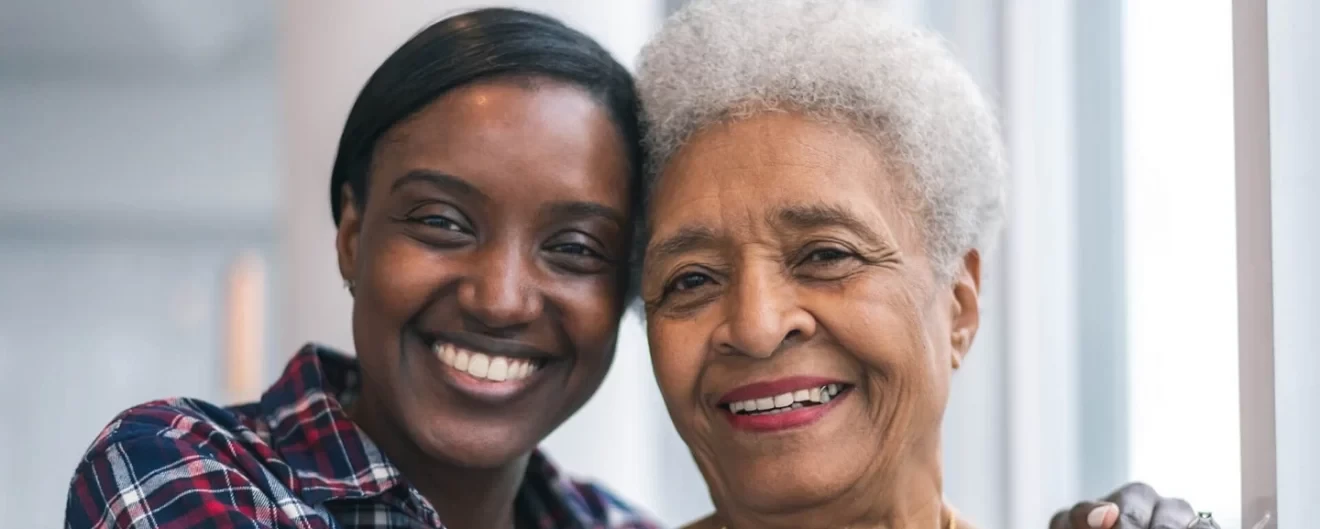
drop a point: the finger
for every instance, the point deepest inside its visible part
(1136, 504)
(1093, 516)
(1061, 520)
(1172, 513)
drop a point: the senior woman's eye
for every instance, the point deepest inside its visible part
(826, 255)
(823, 255)
(825, 262)
(688, 281)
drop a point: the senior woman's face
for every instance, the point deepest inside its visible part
(487, 268)
(802, 343)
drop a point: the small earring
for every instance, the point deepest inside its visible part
(349, 284)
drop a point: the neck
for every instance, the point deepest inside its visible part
(463, 497)
(906, 496)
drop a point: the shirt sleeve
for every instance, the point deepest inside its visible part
(165, 482)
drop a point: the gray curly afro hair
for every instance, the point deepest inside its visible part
(842, 61)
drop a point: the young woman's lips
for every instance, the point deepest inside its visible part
(488, 377)
(781, 404)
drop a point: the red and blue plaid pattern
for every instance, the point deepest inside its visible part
(292, 460)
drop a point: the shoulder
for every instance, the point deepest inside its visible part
(188, 425)
(172, 460)
(174, 418)
(609, 509)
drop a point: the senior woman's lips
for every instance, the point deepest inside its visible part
(781, 404)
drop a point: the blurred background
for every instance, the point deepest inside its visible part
(164, 230)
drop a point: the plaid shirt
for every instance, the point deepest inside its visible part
(292, 460)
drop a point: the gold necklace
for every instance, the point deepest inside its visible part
(953, 520)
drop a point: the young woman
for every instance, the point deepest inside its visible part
(483, 191)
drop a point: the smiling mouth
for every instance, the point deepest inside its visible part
(486, 367)
(788, 401)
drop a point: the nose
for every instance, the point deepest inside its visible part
(500, 292)
(762, 315)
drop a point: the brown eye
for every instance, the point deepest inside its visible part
(827, 255)
(575, 249)
(441, 222)
(688, 281)
(577, 253)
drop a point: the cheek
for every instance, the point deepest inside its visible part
(677, 357)
(891, 335)
(590, 309)
(882, 324)
(401, 276)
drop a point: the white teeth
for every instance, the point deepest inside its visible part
(483, 366)
(786, 401)
(479, 365)
(499, 369)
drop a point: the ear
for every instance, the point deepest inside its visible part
(966, 306)
(346, 239)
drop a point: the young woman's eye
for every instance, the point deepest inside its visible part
(444, 223)
(576, 249)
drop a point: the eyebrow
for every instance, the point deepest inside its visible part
(683, 241)
(579, 209)
(446, 182)
(816, 216)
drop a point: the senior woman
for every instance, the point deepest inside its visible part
(822, 183)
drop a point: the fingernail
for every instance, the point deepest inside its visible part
(1096, 519)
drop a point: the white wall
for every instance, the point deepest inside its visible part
(149, 143)
(125, 197)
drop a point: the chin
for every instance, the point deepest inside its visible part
(475, 446)
(786, 482)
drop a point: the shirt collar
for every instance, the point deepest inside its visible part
(331, 458)
(327, 453)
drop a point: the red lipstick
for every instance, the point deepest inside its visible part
(782, 417)
(776, 387)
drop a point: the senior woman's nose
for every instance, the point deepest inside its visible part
(499, 292)
(762, 316)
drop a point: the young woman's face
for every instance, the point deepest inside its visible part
(489, 265)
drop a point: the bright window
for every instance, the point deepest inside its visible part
(1181, 251)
